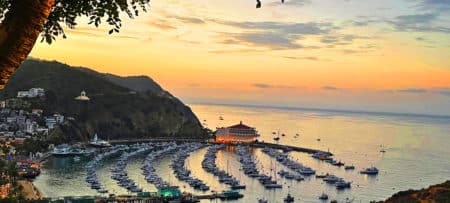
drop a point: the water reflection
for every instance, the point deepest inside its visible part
(416, 152)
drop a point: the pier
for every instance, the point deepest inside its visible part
(252, 144)
(161, 139)
(282, 147)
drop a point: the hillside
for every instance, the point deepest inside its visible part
(120, 107)
(439, 193)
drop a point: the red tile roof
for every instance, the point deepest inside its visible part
(240, 126)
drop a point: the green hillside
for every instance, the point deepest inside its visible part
(120, 107)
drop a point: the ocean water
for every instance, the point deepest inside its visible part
(417, 154)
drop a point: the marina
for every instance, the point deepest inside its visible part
(167, 167)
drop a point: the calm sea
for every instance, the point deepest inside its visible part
(417, 154)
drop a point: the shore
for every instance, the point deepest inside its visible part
(29, 191)
(435, 193)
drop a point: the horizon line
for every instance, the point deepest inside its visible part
(408, 114)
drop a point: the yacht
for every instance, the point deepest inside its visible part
(80, 152)
(370, 171)
(61, 150)
(97, 142)
(342, 184)
(331, 179)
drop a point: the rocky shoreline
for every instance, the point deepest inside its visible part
(439, 193)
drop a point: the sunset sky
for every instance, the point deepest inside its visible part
(381, 55)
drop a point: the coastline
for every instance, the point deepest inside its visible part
(29, 190)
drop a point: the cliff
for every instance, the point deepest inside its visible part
(119, 107)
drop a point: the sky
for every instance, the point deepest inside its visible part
(384, 55)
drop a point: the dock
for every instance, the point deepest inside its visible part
(252, 144)
(285, 148)
(162, 139)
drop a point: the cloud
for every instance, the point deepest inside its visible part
(420, 39)
(273, 35)
(297, 3)
(413, 90)
(443, 91)
(434, 5)
(270, 40)
(235, 51)
(309, 28)
(161, 24)
(312, 58)
(269, 86)
(330, 88)
(190, 20)
(262, 85)
(329, 39)
(417, 23)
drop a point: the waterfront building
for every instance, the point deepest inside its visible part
(236, 133)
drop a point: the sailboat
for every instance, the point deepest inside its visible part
(382, 149)
(273, 184)
(277, 137)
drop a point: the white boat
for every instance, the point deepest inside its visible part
(97, 142)
(62, 150)
(370, 171)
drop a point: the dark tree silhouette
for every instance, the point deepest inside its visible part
(22, 21)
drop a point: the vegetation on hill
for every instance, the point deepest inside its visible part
(439, 193)
(119, 107)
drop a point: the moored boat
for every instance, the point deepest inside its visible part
(370, 171)
(97, 142)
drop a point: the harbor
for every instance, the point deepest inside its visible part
(262, 170)
(226, 183)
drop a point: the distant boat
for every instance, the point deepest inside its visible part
(289, 199)
(276, 138)
(62, 150)
(221, 118)
(262, 201)
(370, 171)
(349, 167)
(339, 163)
(97, 142)
(318, 139)
(323, 196)
(283, 134)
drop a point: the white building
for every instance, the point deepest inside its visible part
(50, 122)
(31, 93)
(31, 126)
(236, 133)
(59, 118)
(83, 96)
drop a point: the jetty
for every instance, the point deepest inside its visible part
(282, 147)
(251, 144)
